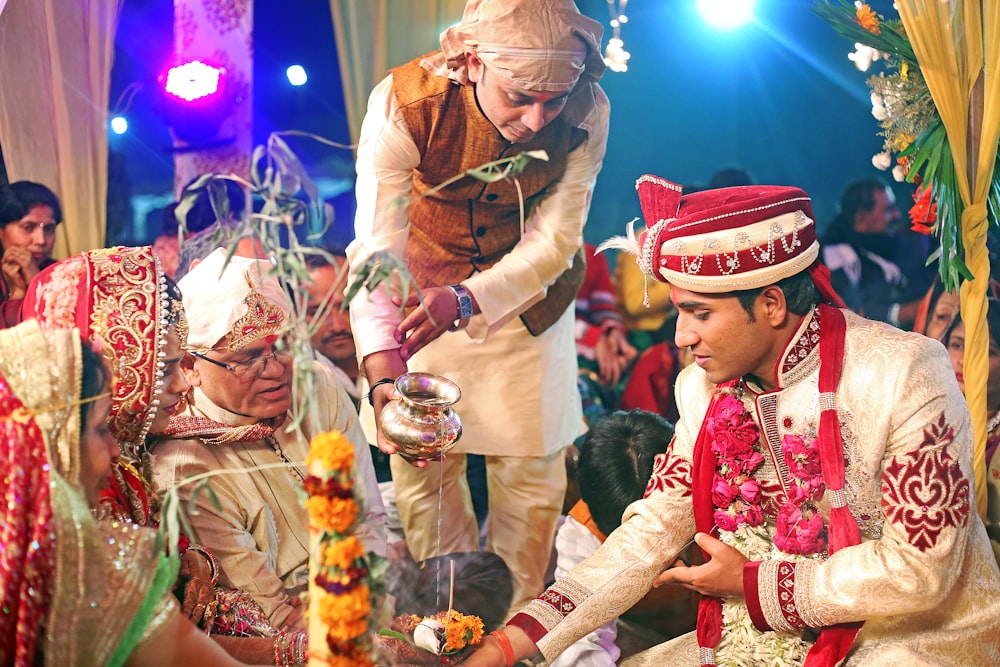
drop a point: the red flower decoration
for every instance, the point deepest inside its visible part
(923, 213)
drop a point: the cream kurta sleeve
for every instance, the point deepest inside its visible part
(553, 233)
(242, 532)
(653, 533)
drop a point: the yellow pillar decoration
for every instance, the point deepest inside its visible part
(956, 43)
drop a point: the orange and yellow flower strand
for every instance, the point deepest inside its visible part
(343, 573)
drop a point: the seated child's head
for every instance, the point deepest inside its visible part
(616, 462)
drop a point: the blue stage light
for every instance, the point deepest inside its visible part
(119, 124)
(726, 14)
(296, 75)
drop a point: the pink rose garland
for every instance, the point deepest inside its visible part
(800, 528)
(735, 493)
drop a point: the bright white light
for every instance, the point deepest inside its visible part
(615, 56)
(193, 80)
(726, 14)
(119, 125)
(296, 75)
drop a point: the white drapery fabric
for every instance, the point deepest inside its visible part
(55, 74)
(374, 35)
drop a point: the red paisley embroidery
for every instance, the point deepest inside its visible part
(669, 472)
(925, 490)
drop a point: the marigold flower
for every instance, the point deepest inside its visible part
(354, 659)
(336, 514)
(867, 18)
(332, 450)
(462, 631)
(343, 554)
(346, 616)
(900, 143)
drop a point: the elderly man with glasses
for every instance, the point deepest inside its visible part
(235, 421)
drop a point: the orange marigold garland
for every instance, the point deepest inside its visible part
(340, 571)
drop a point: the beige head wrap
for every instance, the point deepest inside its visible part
(240, 301)
(533, 44)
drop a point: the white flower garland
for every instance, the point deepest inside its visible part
(743, 645)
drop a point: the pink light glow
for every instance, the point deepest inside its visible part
(193, 80)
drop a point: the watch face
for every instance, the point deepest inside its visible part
(464, 301)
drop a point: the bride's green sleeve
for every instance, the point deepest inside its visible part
(157, 608)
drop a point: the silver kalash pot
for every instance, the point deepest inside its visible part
(421, 422)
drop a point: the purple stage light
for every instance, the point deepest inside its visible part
(194, 80)
(196, 102)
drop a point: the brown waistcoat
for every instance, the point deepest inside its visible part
(470, 225)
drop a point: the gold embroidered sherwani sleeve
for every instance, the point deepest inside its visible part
(386, 159)
(920, 456)
(654, 531)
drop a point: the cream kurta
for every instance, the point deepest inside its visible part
(923, 579)
(261, 535)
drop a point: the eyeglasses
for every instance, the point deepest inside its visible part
(29, 228)
(255, 366)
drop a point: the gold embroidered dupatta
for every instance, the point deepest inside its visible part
(104, 581)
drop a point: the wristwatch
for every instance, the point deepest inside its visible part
(464, 307)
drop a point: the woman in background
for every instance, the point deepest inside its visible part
(29, 213)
